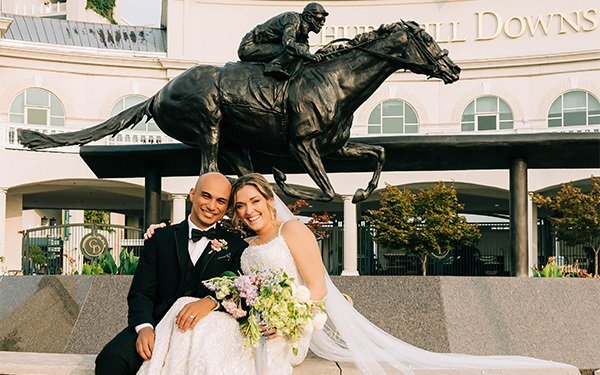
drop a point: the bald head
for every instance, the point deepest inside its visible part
(212, 178)
(209, 199)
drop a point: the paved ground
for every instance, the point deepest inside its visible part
(18, 363)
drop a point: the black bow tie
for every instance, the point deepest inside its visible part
(197, 234)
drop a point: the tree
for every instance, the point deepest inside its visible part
(576, 216)
(423, 223)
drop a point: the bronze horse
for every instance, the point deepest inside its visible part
(229, 110)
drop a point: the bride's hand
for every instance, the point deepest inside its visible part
(268, 333)
(150, 231)
(191, 313)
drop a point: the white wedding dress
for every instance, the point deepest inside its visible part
(215, 345)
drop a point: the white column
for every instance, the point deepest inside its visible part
(350, 238)
(532, 217)
(178, 208)
(2, 225)
(12, 217)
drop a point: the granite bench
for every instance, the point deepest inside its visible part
(476, 315)
(20, 363)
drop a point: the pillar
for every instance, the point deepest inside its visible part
(178, 209)
(3, 192)
(11, 226)
(350, 238)
(532, 213)
(518, 218)
(152, 197)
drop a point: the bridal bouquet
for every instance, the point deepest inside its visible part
(270, 297)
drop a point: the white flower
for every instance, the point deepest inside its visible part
(319, 320)
(302, 294)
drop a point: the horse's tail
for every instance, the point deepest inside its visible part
(129, 117)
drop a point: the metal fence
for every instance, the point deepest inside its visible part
(62, 249)
(490, 256)
(565, 254)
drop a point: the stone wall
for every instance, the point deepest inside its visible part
(556, 319)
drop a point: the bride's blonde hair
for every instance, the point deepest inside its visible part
(261, 184)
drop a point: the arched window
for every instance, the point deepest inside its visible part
(486, 113)
(129, 101)
(393, 116)
(37, 107)
(574, 108)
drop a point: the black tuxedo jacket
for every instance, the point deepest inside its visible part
(159, 277)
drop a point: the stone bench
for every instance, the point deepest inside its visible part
(554, 319)
(22, 363)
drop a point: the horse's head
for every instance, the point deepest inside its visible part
(424, 55)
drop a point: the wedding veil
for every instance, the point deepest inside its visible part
(350, 337)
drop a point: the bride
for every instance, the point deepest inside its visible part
(214, 346)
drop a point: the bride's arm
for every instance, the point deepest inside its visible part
(305, 250)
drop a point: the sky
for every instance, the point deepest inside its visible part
(140, 12)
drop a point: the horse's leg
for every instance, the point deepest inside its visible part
(238, 158)
(361, 151)
(307, 154)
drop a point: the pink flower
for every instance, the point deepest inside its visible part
(217, 245)
(233, 309)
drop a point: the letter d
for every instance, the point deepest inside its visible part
(480, 16)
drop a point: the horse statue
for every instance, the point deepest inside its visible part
(227, 111)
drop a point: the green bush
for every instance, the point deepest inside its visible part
(129, 262)
(105, 264)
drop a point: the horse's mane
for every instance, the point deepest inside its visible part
(333, 50)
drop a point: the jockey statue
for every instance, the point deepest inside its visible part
(283, 40)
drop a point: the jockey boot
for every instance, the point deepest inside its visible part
(275, 70)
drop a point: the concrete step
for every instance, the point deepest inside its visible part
(21, 363)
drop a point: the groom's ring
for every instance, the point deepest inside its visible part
(191, 316)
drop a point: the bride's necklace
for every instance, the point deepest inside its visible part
(261, 240)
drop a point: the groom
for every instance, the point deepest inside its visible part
(173, 264)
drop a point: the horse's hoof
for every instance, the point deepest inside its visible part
(279, 175)
(359, 196)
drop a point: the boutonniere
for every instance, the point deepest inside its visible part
(217, 245)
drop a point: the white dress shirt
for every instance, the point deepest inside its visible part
(195, 249)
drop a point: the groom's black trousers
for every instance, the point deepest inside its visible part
(119, 356)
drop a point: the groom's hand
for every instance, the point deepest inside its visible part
(145, 342)
(191, 313)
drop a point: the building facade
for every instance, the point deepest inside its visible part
(527, 67)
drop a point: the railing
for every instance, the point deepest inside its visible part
(8, 136)
(442, 130)
(41, 10)
(490, 256)
(62, 249)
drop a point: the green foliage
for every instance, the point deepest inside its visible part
(103, 7)
(92, 269)
(37, 256)
(96, 216)
(128, 262)
(549, 270)
(552, 270)
(105, 264)
(423, 223)
(576, 215)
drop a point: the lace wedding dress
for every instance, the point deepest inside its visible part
(215, 344)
